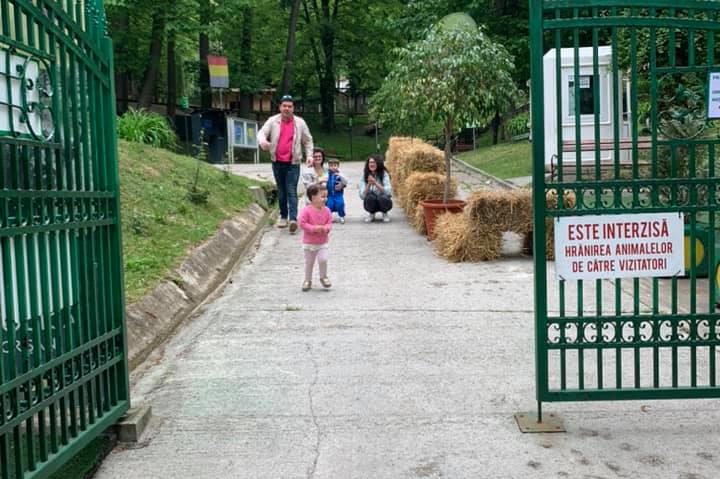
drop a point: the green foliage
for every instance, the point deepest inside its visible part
(506, 21)
(195, 194)
(517, 125)
(142, 126)
(455, 76)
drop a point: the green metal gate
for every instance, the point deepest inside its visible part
(63, 368)
(632, 138)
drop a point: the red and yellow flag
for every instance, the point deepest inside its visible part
(219, 73)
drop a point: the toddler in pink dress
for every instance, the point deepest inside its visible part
(315, 220)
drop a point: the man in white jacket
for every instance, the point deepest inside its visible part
(286, 137)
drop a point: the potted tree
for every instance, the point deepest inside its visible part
(454, 76)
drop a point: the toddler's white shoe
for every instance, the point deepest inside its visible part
(386, 218)
(342, 220)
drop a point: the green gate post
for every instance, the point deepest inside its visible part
(538, 150)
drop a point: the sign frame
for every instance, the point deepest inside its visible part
(713, 85)
(637, 245)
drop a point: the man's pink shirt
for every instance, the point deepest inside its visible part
(283, 152)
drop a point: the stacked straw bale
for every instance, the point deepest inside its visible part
(414, 157)
(391, 155)
(502, 210)
(417, 219)
(424, 186)
(459, 238)
(476, 235)
(551, 202)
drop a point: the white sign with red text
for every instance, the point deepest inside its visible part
(619, 246)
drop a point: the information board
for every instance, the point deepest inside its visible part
(242, 133)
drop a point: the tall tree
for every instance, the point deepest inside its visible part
(147, 91)
(321, 22)
(122, 75)
(454, 76)
(205, 11)
(290, 49)
(171, 75)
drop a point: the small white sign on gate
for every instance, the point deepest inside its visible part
(619, 246)
(713, 103)
(11, 108)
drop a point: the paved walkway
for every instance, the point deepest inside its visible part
(410, 367)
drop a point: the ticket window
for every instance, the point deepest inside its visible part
(586, 98)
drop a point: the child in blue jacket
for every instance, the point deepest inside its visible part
(336, 184)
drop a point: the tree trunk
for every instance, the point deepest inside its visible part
(327, 101)
(324, 64)
(122, 78)
(204, 50)
(448, 158)
(327, 82)
(290, 49)
(147, 92)
(171, 77)
(246, 97)
(495, 127)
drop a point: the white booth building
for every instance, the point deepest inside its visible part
(586, 101)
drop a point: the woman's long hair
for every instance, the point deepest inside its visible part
(380, 172)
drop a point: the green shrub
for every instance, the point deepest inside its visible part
(141, 126)
(517, 125)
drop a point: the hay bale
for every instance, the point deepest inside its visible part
(549, 239)
(391, 155)
(415, 156)
(502, 210)
(457, 239)
(551, 202)
(417, 219)
(569, 199)
(418, 156)
(424, 186)
(520, 217)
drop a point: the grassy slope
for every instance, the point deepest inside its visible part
(160, 224)
(504, 160)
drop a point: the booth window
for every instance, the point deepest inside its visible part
(587, 105)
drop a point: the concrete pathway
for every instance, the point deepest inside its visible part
(409, 367)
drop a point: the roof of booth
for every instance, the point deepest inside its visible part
(585, 53)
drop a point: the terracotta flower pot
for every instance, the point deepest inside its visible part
(434, 208)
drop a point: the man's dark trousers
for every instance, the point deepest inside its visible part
(286, 179)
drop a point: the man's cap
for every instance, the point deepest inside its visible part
(287, 98)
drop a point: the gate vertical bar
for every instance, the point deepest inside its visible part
(538, 151)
